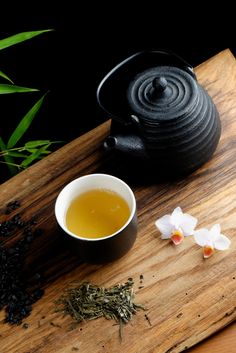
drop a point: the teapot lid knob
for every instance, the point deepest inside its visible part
(159, 84)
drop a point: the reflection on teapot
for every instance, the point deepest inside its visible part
(161, 116)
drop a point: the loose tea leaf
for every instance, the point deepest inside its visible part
(88, 301)
(16, 296)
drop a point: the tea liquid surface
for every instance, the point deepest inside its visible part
(97, 213)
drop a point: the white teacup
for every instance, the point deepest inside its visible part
(102, 249)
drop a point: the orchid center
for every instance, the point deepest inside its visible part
(207, 251)
(177, 236)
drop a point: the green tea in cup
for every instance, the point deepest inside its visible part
(97, 213)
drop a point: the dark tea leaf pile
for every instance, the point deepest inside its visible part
(15, 295)
(88, 301)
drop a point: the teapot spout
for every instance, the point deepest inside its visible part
(129, 144)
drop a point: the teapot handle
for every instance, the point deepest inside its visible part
(115, 83)
(109, 86)
(174, 59)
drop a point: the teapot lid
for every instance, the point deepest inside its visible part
(162, 94)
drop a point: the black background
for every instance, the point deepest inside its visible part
(87, 41)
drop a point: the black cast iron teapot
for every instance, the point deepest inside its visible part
(161, 117)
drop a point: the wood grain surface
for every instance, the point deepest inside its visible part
(188, 298)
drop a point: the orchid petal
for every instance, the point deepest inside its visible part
(165, 227)
(202, 238)
(215, 231)
(188, 224)
(221, 242)
(176, 217)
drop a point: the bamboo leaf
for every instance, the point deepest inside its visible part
(5, 76)
(20, 37)
(7, 89)
(36, 143)
(8, 159)
(32, 150)
(24, 123)
(17, 154)
(11, 164)
(33, 157)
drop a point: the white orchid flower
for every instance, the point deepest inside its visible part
(176, 226)
(211, 239)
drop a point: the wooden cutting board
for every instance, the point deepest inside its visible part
(187, 298)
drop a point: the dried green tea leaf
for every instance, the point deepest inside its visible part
(88, 301)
